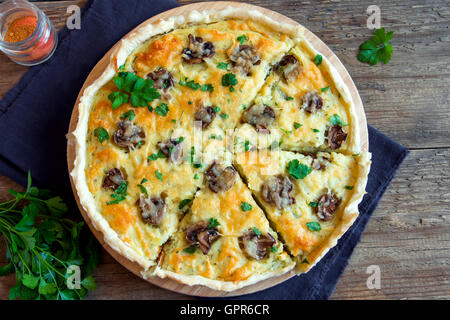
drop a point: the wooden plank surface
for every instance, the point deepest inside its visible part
(408, 99)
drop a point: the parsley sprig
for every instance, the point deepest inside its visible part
(132, 87)
(377, 49)
(41, 245)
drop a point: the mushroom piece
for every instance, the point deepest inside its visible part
(319, 162)
(256, 246)
(244, 57)
(335, 136)
(172, 149)
(326, 206)
(162, 79)
(312, 102)
(260, 116)
(206, 115)
(152, 209)
(197, 50)
(289, 67)
(219, 179)
(276, 191)
(114, 178)
(129, 135)
(201, 235)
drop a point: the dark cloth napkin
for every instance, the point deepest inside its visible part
(35, 114)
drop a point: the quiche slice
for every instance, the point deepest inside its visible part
(310, 199)
(225, 241)
(301, 108)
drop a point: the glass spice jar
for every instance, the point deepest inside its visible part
(27, 36)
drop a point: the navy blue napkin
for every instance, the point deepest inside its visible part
(35, 114)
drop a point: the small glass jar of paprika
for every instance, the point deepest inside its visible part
(27, 36)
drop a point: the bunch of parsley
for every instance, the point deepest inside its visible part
(41, 245)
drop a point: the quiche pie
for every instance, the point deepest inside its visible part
(218, 148)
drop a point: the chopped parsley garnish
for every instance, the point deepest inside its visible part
(325, 89)
(156, 156)
(318, 59)
(158, 175)
(298, 170)
(244, 107)
(224, 115)
(222, 65)
(315, 204)
(256, 231)
(196, 176)
(246, 206)
(305, 261)
(119, 194)
(189, 102)
(213, 136)
(190, 84)
(273, 249)
(286, 131)
(101, 134)
(207, 87)
(242, 38)
(130, 115)
(143, 180)
(229, 80)
(143, 189)
(247, 145)
(190, 249)
(213, 223)
(297, 125)
(316, 130)
(288, 98)
(349, 187)
(313, 226)
(216, 109)
(183, 203)
(377, 48)
(162, 109)
(132, 87)
(335, 119)
(197, 165)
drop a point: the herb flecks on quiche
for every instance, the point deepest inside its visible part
(194, 119)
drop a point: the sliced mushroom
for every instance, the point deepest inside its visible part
(152, 209)
(162, 79)
(289, 67)
(335, 136)
(114, 178)
(206, 115)
(256, 246)
(197, 50)
(172, 149)
(201, 235)
(319, 162)
(312, 102)
(276, 191)
(219, 179)
(260, 116)
(244, 58)
(129, 135)
(326, 206)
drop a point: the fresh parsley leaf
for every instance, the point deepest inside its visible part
(305, 261)
(335, 119)
(297, 125)
(213, 223)
(190, 84)
(162, 109)
(143, 189)
(130, 115)
(377, 48)
(190, 249)
(256, 231)
(315, 204)
(196, 176)
(273, 249)
(216, 109)
(288, 98)
(246, 206)
(158, 175)
(207, 87)
(156, 156)
(183, 203)
(247, 145)
(242, 38)
(325, 89)
(314, 226)
(224, 116)
(223, 65)
(101, 134)
(298, 170)
(316, 130)
(229, 79)
(318, 59)
(349, 187)
(118, 98)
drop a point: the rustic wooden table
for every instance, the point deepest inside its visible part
(409, 235)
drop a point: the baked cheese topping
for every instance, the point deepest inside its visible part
(198, 122)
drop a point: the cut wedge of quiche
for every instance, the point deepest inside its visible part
(219, 149)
